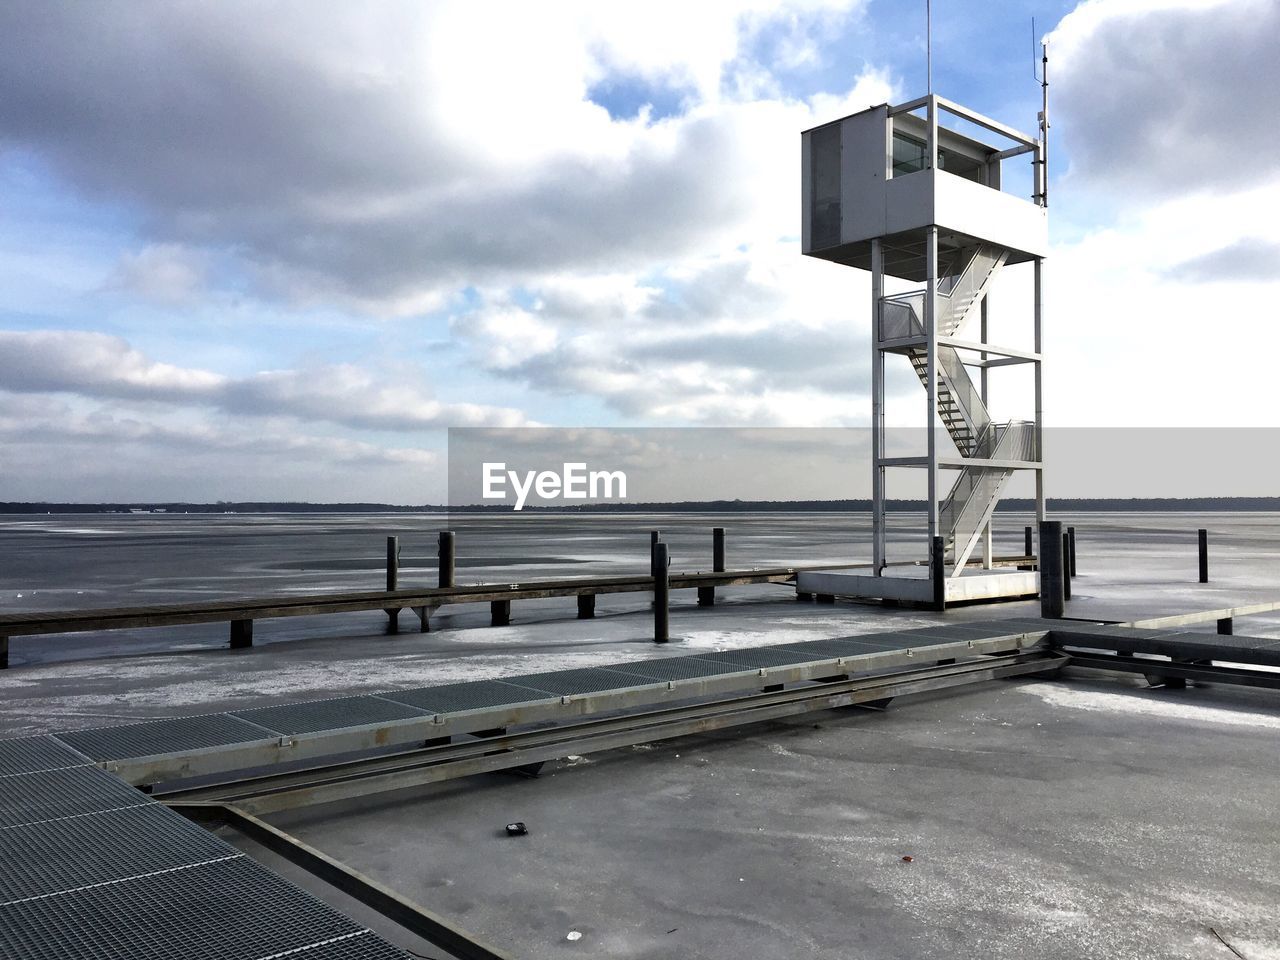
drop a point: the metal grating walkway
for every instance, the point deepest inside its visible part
(90, 867)
(408, 710)
(33, 754)
(1177, 645)
(227, 909)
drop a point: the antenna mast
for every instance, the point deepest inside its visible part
(928, 45)
(1042, 77)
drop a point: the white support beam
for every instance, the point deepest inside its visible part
(995, 126)
(931, 330)
(877, 412)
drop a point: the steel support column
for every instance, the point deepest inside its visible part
(877, 412)
(931, 323)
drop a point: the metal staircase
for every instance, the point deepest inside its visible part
(968, 506)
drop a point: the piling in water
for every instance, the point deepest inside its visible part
(1052, 589)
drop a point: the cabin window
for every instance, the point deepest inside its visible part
(910, 155)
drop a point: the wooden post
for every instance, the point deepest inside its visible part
(655, 537)
(661, 594)
(4, 653)
(1028, 549)
(1066, 567)
(393, 563)
(241, 634)
(1071, 557)
(500, 613)
(424, 616)
(1204, 556)
(707, 595)
(586, 606)
(938, 573)
(446, 561)
(393, 581)
(1052, 595)
(1226, 626)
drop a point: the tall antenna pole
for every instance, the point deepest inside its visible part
(1044, 122)
(1042, 76)
(928, 45)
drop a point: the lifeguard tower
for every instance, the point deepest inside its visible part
(914, 192)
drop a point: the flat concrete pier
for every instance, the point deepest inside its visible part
(912, 585)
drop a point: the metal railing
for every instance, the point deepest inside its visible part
(968, 397)
(902, 314)
(963, 512)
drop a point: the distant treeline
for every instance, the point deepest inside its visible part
(1138, 504)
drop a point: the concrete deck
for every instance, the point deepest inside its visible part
(1046, 820)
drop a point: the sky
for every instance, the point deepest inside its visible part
(268, 251)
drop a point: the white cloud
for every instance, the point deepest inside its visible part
(1158, 106)
(168, 273)
(59, 451)
(379, 157)
(1160, 98)
(98, 366)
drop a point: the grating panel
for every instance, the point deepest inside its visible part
(900, 640)
(29, 754)
(668, 669)
(230, 910)
(317, 715)
(179, 735)
(931, 636)
(1191, 646)
(472, 695)
(757, 657)
(965, 632)
(566, 683)
(1117, 632)
(998, 628)
(44, 858)
(1213, 646)
(362, 946)
(837, 647)
(29, 797)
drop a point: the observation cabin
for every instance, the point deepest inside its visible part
(939, 196)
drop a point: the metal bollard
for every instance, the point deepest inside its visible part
(707, 595)
(1066, 567)
(1028, 550)
(393, 563)
(447, 558)
(499, 613)
(1052, 595)
(241, 634)
(661, 594)
(1204, 556)
(393, 581)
